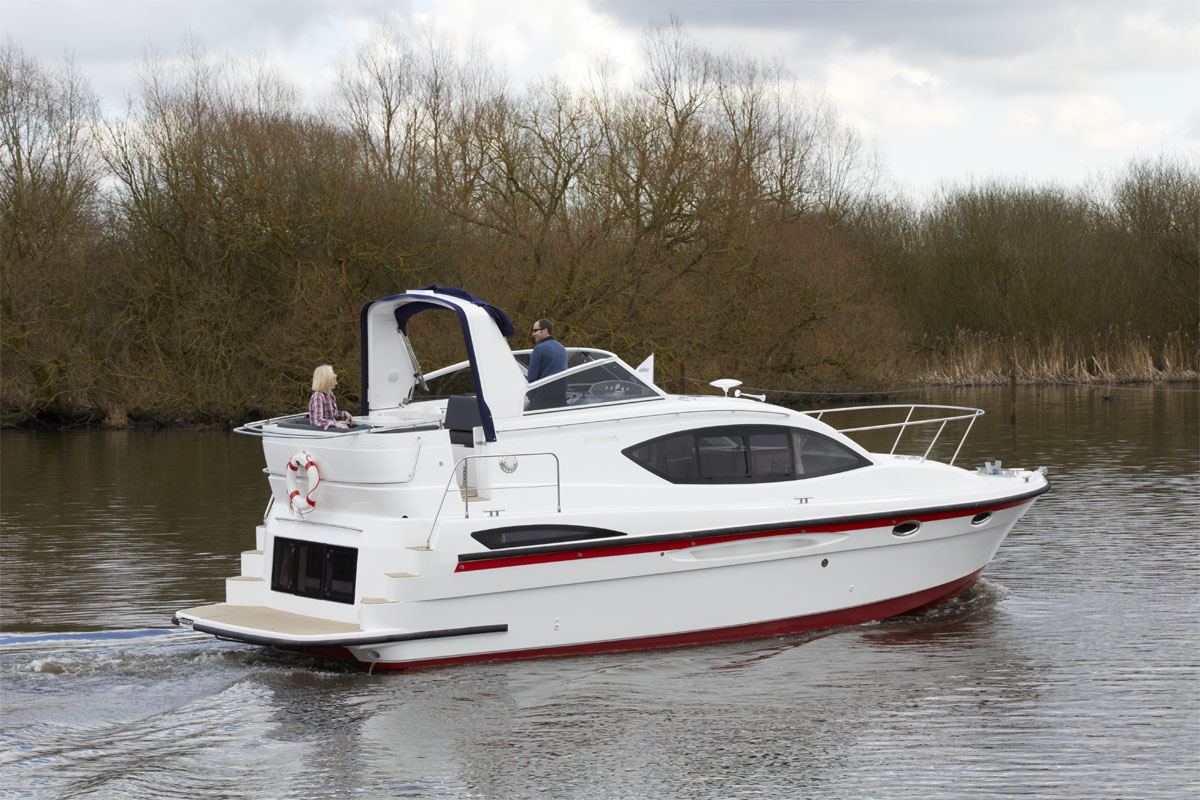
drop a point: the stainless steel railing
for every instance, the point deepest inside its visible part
(461, 467)
(957, 414)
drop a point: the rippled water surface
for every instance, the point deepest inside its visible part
(1072, 670)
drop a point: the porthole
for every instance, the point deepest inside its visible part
(981, 518)
(906, 528)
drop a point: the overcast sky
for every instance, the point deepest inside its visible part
(948, 91)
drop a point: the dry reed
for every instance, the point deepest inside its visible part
(975, 358)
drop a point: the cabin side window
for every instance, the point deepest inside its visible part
(817, 454)
(527, 535)
(744, 454)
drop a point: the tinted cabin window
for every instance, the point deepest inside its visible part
(283, 570)
(311, 569)
(341, 564)
(314, 569)
(820, 455)
(722, 456)
(771, 455)
(502, 538)
(672, 457)
(741, 454)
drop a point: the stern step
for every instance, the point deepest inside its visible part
(245, 590)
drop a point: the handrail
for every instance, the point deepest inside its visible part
(466, 490)
(969, 414)
(256, 428)
(270, 473)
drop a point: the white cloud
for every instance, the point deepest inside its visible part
(880, 95)
(531, 39)
(1022, 122)
(1156, 35)
(1191, 128)
(1093, 122)
(1098, 122)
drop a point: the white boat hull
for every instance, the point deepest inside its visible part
(589, 511)
(656, 592)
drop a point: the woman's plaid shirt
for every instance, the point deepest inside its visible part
(323, 410)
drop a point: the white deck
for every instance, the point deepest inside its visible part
(268, 620)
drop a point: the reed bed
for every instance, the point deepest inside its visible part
(971, 357)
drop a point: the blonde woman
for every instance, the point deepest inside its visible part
(322, 406)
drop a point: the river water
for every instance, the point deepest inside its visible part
(1071, 670)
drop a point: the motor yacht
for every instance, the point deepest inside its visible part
(470, 515)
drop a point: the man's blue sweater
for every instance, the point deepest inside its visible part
(548, 357)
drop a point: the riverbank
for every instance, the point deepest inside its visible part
(1180, 381)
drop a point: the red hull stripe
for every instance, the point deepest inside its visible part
(472, 562)
(918, 601)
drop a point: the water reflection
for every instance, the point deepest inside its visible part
(103, 529)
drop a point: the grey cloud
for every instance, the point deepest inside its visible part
(918, 29)
(1002, 47)
(111, 39)
(957, 28)
(121, 30)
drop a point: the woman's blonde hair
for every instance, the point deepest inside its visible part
(324, 379)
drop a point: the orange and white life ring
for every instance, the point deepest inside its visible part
(296, 502)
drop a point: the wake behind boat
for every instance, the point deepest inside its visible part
(588, 511)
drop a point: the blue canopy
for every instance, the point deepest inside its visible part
(406, 312)
(474, 316)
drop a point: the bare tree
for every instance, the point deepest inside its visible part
(48, 164)
(48, 219)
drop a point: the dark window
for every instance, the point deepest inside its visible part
(461, 381)
(283, 570)
(722, 456)
(817, 454)
(672, 457)
(341, 566)
(314, 569)
(607, 382)
(310, 569)
(771, 456)
(501, 538)
(744, 453)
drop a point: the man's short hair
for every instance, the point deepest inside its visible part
(546, 325)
